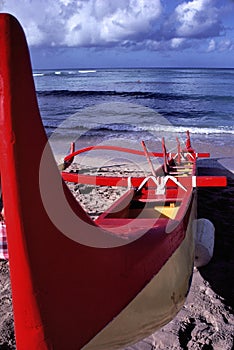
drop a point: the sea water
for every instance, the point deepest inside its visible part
(127, 105)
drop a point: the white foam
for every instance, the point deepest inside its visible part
(87, 71)
(38, 74)
(192, 129)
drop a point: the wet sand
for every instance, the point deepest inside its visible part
(206, 320)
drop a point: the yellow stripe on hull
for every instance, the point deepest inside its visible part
(156, 304)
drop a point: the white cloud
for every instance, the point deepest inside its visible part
(197, 18)
(212, 46)
(136, 24)
(226, 45)
(176, 42)
(84, 22)
(221, 46)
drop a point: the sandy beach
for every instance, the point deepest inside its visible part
(206, 320)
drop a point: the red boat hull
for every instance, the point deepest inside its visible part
(66, 292)
(160, 300)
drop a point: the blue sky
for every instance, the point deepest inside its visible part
(126, 33)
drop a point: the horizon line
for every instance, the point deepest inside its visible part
(150, 67)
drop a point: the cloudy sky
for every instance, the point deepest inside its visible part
(127, 33)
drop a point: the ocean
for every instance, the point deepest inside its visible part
(124, 106)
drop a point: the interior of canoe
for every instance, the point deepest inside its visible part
(147, 204)
(147, 210)
(160, 194)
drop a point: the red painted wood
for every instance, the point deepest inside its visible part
(67, 163)
(203, 155)
(178, 151)
(148, 158)
(211, 181)
(165, 157)
(63, 292)
(99, 180)
(188, 141)
(111, 148)
(125, 150)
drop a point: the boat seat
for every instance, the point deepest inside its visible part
(161, 200)
(179, 174)
(186, 165)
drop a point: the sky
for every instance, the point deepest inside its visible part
(126, 33)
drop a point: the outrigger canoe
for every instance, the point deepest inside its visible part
(79, 283)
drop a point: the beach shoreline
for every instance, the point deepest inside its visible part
(206, 320)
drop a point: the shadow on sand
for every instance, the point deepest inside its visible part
(217, 205)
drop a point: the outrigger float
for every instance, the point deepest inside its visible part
(79, 283)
